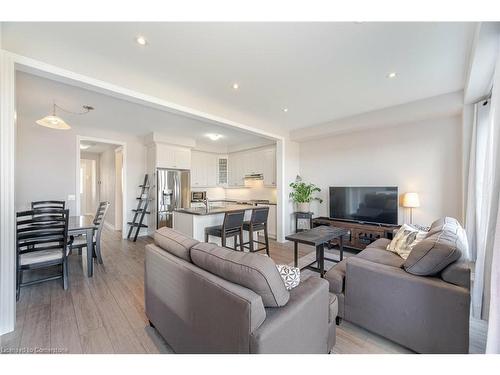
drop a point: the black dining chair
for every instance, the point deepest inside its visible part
(81, 241)
(41, 242)
(48, 204)
(231, 227)
(257, 223)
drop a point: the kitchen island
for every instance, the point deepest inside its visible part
(193, 221)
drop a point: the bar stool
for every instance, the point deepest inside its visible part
(257, 222)
(231, 227)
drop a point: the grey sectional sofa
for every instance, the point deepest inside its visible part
(206, 299)
(421, 303)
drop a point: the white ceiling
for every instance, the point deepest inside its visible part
(320, 71)
(36, 94)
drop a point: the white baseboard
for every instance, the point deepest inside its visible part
(109, 226)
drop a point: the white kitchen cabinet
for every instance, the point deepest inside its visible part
(168, 156)
(222, 171)
(236, 169)
(203, 169)
(211, 161)
(269, 167)
(182, 158)
(257, 161)
(271, 219)
(198, 170)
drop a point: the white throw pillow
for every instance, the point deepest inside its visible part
(405, 239)
(290, 275)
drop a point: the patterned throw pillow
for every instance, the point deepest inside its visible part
(290, 275)
(405, 239)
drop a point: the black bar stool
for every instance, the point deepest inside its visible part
(231, 227)
(257, 222)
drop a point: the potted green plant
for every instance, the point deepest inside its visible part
(302, 194)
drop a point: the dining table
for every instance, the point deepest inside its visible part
(84, 224)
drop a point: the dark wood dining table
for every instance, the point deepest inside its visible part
(84, 224)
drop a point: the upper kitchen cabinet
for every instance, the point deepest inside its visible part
(236, 169)
(269, 167)
(204, 169)
(169, 156)
(255, 161)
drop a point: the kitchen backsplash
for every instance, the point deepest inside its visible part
(243, 193)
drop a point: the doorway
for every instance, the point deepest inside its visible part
(100, 174)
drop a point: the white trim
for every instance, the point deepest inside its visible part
(122, 144)
(109, 226)
(122, 182)
(7, 194)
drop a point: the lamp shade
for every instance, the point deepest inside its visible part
(411, 200)
(53, 122)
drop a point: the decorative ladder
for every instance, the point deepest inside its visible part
(141, 210)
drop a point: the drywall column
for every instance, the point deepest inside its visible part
(7, 180)
(287, 168)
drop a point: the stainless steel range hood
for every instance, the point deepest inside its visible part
(254, 176)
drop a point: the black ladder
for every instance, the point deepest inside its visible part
(141, 210)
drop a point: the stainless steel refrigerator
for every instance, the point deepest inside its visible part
(172, 192)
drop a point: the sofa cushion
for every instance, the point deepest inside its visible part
(250, 270)
(405, 239)
(381, 256)
(174, 242)
(336, 276)
(333, 308)
(457, 273)
(443, 245)
(381, 243)
(290, 275)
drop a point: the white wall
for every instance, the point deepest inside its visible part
(423, 157)
(46, 161)
(108, 182)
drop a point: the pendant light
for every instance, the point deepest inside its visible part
(55, 122)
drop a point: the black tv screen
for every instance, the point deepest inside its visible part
(364, 204)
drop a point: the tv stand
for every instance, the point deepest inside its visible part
(359, 235)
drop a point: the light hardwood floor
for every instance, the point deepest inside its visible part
(105, 313)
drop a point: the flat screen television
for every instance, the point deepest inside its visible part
(368, 204)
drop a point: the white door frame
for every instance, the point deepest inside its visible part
(122, 184)
(121, 144)
(7, 194)
(9, 64)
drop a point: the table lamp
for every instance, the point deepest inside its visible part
(411, 201)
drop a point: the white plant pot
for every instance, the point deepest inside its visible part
(304, 207)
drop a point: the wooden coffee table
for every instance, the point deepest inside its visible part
(317, 237)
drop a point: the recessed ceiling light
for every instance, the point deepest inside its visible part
(214, 137)
(285, 109)
(141, 40)
(392, 75)
(236, 86)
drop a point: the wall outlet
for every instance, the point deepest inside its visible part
(71, 197)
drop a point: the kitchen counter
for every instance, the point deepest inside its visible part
(215, 209)
(252, 202)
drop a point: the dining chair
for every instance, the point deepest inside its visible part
(257, 223)
(48, 204)
(41, 242)
(81, 241)
(232, 226)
